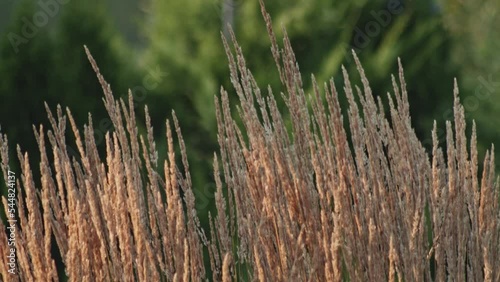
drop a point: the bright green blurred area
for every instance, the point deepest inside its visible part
(170, 55)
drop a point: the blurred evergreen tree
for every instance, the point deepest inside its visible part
(26, 65)
(42, 60)
(87, 23)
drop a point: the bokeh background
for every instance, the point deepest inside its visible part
(169, 54)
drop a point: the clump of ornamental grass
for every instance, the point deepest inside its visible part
(301, 203)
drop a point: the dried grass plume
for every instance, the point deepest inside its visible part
(305, 202)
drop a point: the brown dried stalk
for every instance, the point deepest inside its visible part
(299, 202)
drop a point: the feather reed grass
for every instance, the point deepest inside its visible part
(308, 202)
